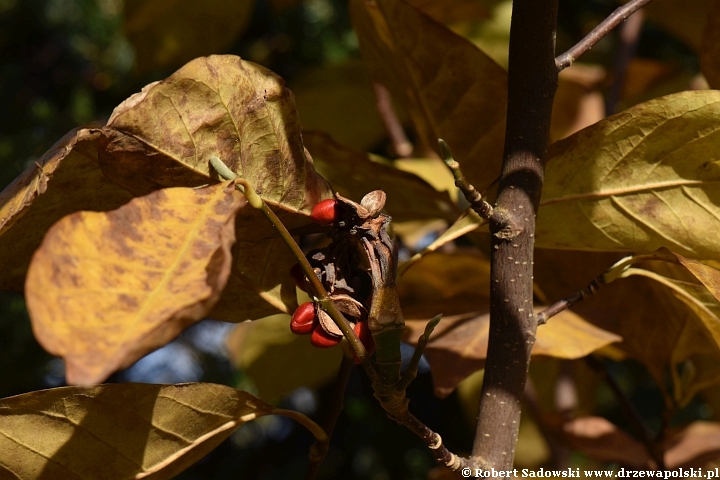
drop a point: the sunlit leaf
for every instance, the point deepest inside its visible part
(222, 106)
(118, 431)
(637, 181)
(67, 180)
(458, 346)
(277, 360)
(693, 446)
(104, 289)
(604, 441)
(168, 33)
(353, 174)
(416, 58)
(710, 47)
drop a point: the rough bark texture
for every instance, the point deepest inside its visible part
(532, 83)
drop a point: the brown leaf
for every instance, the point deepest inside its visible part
(353, 173)
(259, 283)
(118, 431)
(415, 58)
(104, 289)
(449, 11)
(448, 283)
(684, 20)
(277, 360)
(578, 101)
(710, 47)
(167, 33)
(693, 446)
(66, 179)
(709, 276)
(458, 345)
(223, 106)
(603, 441)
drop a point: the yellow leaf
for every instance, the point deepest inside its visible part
(118, 431)
(417, 58)
(167, 33)
(104, 289)
(66, 179)
(458, 345)
(710, 47)
(637, 181)
(238, 111)
(277, 360)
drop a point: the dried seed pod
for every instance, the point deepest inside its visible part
(348, 305)
(374, 202)
(321, 339)
(326, 212)
(304, 320)
(327, 323)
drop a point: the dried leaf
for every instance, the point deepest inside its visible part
(222, 106)
(118, 431)
(637, 181)
(458, 345)
(104, 289)
(451, 284)
(710, 47)
(693, 446)
(415, 58)
(449, 11)
(167, 33)
(279, 361)
(603, 441)
(65, 180)
(259, 283)
(353, 173)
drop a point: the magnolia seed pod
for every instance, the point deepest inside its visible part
(321, 339)
(304, 320)
(326, 212)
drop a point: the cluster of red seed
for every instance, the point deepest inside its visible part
(305, 320)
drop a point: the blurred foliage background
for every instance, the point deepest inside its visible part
(66, 63)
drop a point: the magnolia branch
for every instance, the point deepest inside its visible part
(612, 21)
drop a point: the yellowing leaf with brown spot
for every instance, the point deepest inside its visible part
(167, 33)
(104, 289)
(458, 346)
(643, 179)
(220, 105)
(66, 179)
(118, 431)
(417, 59)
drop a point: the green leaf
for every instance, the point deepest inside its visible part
(416, 58)
(118, 431)
(643, 179)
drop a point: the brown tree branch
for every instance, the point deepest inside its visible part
(532, 82)
(400, 143)
(629, 36)
(571, 300)
(597, 33)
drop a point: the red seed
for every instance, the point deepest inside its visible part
(304, 320)
(362, 330)
(321, 339)
(326, 212)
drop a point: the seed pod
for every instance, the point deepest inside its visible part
(326, 212)
(304, 320)
(321, 339)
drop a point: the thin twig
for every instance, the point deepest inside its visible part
(615, 18)
(323, 297)
(629, 36)
(411, 371)
(477, 203)
(568, 302)
(319, 450)
(400, 143)
(630, 412)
